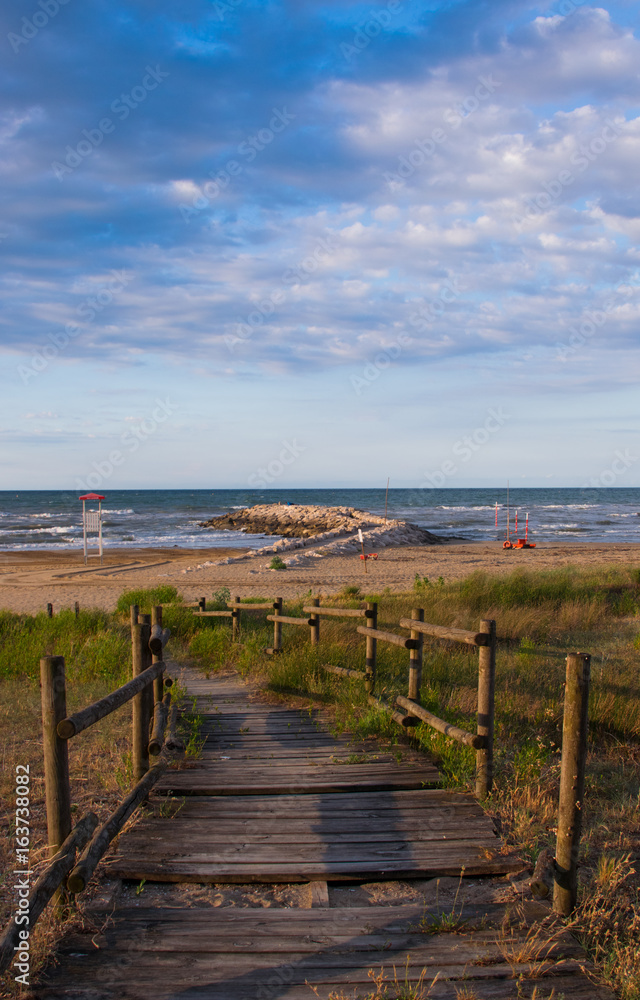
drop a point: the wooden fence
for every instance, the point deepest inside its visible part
(152, 711)
(150, 715)
(557, 874)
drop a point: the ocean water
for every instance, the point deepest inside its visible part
(52, 520)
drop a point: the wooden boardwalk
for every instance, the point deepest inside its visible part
(276, 798)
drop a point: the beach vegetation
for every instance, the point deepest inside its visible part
(220, 598)
(541, 616)
(147, 599)
(277, 563)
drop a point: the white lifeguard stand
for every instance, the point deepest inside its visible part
(92, 521)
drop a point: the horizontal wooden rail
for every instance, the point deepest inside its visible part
(76, 723)
(160, 716)
(171, 740)
(396, 640)
(469, 739)
(340, 612)
(289, 621)
(406, 721)
(48, 883)
(250, 607)
(213, 614)
(344, 671)
(101, 839)
(443, 632)
(159, 638)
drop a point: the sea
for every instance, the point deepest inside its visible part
(52, 519)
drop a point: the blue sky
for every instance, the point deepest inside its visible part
(385, 239)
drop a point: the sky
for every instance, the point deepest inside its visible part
(319, 244)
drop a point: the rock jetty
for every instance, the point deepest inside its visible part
(320, 531)
(293, 520)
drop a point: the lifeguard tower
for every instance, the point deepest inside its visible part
(92, 522)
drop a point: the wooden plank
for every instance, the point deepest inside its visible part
(319, 894)
(402, 802)
(229, 954)
(80, 721)
(443, 632)
(180, 784)
(395, 640)
(470, 739)
(213, 614)
(267, 606)
(289, 621)
(338, 612)
(363, 871)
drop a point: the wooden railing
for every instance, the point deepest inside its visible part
(148, 639)
(557, 874)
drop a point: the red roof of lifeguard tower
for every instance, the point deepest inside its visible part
(91, 496)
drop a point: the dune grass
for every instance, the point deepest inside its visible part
(540, 618)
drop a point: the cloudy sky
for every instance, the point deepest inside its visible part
(382, 239)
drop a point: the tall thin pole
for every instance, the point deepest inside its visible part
(84, 530)
(508, 514)
(100, 528)
(386, 498)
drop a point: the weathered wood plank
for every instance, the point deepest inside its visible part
(230, 954)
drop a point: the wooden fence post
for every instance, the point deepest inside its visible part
(76, 608)
(133, 611)
(140, 748)
(486, 700)
(202, 604)
(370, 649)
(314, 621)
(415, 658)
(574, 754)
(56, 756)
(235, 621)
(277, 627)
(49, 610)
(145, 621)
(158, 684)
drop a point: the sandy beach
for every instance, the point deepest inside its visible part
(31, 579)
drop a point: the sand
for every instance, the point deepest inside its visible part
(29, 580)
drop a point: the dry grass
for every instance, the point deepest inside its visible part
(99, 770)
(540, 618)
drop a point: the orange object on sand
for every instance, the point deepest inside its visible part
(370, 555)
(522, 543)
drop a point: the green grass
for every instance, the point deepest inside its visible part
(540, 618)
(146, 599)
